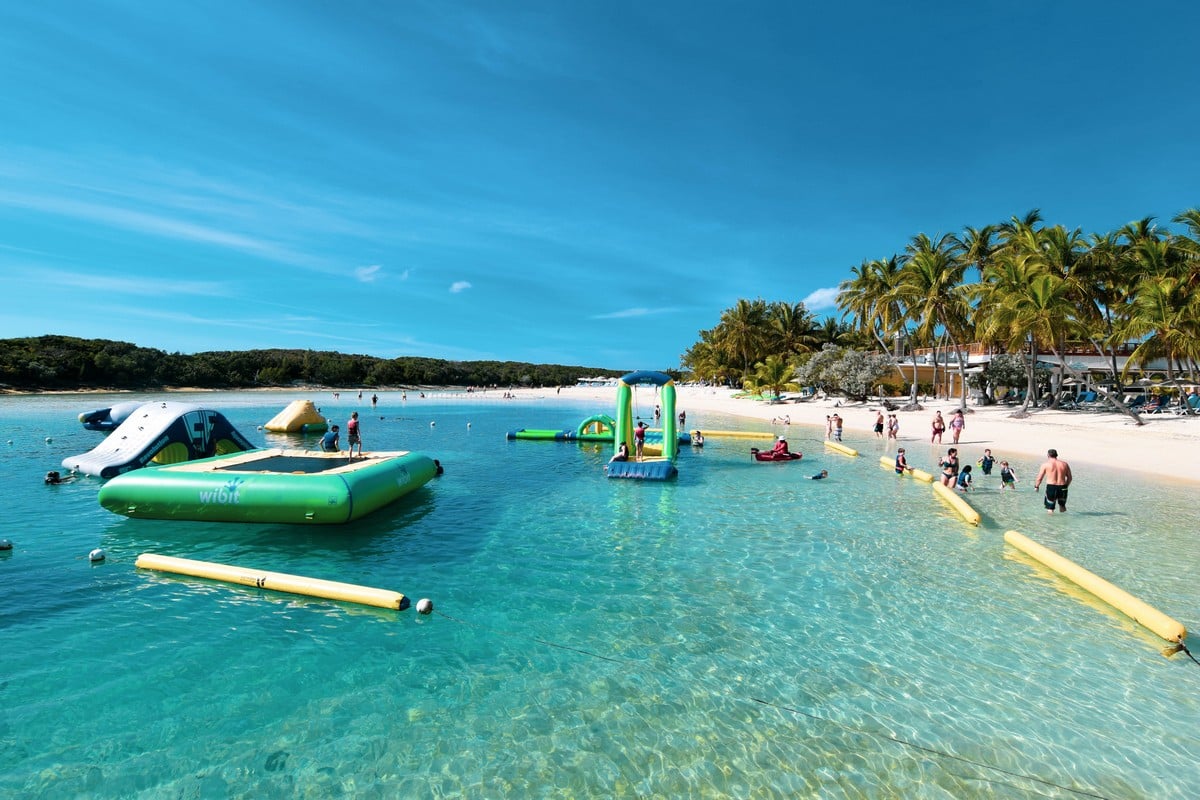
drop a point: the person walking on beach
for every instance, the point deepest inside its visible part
(828, 427)
(893, 427)
(837, 427)
(939, 425)
(950, 467)
(1057, 474)
(354, 435)
(879, 424)
(639, 439)
(957, 423)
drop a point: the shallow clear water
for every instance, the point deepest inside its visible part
(739, 632)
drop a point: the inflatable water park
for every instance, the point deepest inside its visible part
(660, 445)
(108, 419)
(160, 433)
(658, 467)
(289, 486)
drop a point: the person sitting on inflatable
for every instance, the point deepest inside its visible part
(781, 448)
(622, 453)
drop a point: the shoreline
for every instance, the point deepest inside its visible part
(1167, 446)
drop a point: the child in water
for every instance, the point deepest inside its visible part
(1008, 478)
(819, 476)
(963, 482)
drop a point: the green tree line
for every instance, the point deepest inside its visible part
(50, 363)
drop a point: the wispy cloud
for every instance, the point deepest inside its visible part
(368, 274)
(635, 312)
(142, 286)
(459, 286)
(822, 300)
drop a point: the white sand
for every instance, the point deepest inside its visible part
(1166, 446)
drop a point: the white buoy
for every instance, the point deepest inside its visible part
(468, 426)
(48, 440)
(424, 606)
(432, 424)
(5, 544)
(96, 555)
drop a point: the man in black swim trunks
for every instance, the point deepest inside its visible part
(1057, 474)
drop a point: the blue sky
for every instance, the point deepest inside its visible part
(575, 182)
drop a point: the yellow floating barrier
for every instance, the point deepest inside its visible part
(841, 448)
(275, 581)
(956, 502)
(736, 434)
(1118, 598)
(889, 463)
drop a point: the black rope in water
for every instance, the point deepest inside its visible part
(1175, 648)
(818, 718)
(931, 750)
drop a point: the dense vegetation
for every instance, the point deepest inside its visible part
(64, 362)
(1039, 289)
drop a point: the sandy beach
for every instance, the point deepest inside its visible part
(1167, 446)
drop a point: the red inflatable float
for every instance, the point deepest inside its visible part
(772, 455)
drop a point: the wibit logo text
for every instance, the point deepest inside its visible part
(227, 495)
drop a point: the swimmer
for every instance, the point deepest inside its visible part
(820, 476)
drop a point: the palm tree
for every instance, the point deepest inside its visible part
(1039, 313)
(870, 300)
(1164, 312)
(830, 331)
(931, 287)
(791, 328)
(774, 375)
(742, 333)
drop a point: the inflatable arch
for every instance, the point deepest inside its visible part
(652, 469)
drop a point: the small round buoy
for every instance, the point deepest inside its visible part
(432, 424)
(424, 606)
(48, 440)
(96, 555)
(259, 427)
(468, 426)
(5, 544)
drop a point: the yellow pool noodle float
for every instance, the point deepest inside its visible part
(275, 581)
(841, 448)
(736, 434)
(956, 502)
(1118, 598)
(889, 463)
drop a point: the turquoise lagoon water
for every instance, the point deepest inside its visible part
(740, 632)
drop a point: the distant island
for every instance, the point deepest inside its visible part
(66, 363)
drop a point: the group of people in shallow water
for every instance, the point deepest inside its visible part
(1054, 472)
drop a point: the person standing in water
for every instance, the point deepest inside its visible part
(1057, 474)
